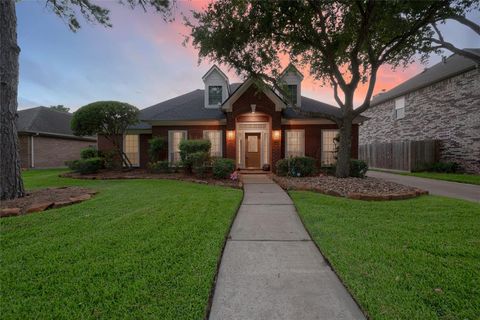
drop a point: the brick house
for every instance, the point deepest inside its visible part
(442, 103)
(46, 140)
(251, 124)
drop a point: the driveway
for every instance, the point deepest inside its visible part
(271, 269)
(457, 190)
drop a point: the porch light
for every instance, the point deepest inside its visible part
(253, 106)
(230, 134)
(276, 134)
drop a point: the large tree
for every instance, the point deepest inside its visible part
(11, 185)
(342, 43)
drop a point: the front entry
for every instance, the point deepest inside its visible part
(252, 150)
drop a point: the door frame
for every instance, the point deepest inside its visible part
(265, 142)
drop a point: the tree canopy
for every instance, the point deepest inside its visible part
(60, 107)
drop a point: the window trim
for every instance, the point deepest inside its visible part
(302, 143)
(221, 140)
(397, 108)
(221, 95)
(137, 160)
(170, 140)
(291, 91)
(322, 155)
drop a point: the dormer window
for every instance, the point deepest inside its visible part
(292, 93)
(214, 95)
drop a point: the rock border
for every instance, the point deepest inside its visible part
(43, 206)
(353, 195)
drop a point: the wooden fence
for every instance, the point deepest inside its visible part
(400, 155)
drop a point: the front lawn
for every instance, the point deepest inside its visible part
(408, 259)
(455, 177)
(139, 249)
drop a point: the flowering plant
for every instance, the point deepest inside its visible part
(234, 176)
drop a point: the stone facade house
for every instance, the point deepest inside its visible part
(46, 140)
(254, 125)
(442, 103)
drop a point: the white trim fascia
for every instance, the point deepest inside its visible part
(187, 122)
(215, 68)
(279, 103)
(307, 121)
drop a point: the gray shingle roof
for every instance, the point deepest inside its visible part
(47, 121)
(190, 106)
(454, 65)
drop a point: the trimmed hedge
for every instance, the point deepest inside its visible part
(358, 168)
(194, 154)
(86, 166)
(156, 146)
(89, 152)
(296, 167)
(223, 167)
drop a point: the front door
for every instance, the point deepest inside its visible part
(252, 150)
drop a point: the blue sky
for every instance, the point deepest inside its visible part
(141, 60)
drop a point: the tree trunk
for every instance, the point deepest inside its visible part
(11, 184)
(345, 148)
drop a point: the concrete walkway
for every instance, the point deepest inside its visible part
(457, 190)
(271, 269)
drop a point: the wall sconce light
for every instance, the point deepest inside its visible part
(276, 134)
(230, 134)
(253, 106)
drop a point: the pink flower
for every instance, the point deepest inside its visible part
(234, 176)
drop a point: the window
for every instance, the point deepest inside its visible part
(215, 137)
(400, 108)
(214, 95)
(294, 143)
(174, 139)
(130, 147)
(292, 92)
(329, 147)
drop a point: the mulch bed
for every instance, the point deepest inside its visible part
(44, 199)
(144, 174)
(355, 188)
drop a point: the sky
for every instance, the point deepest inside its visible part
(141, 60)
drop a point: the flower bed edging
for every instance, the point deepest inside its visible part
(301, 186)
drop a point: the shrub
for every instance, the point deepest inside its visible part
(89, 152)
(358, 168)
(156, 146)
(222, 168)
(111, 160)
(296, 167)
(190, 147)
(444, 167)
(86, 166)
(199, 161)
(159, 167)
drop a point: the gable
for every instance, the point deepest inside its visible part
(262, 95)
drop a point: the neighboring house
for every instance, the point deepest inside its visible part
(46, 140)
(441, 103)
(254, 126)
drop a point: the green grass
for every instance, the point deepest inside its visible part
(139, 249)
(409, 259)
(455, 177)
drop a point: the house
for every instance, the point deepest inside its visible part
(441, 103)
(46, 140)
(250, 123)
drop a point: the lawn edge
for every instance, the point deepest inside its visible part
(208, 308)
(365, 313)
(412, 174)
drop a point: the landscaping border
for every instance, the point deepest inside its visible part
(415, 192)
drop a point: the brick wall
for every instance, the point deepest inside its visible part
(313, 139)
(24, 150)
(448, 111)
(51, 152)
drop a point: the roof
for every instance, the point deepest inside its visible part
(452, 66)
(190, 107)
(43, 120)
